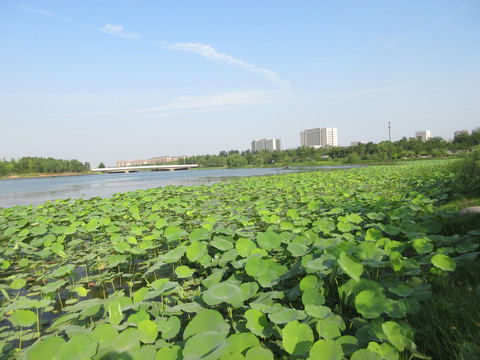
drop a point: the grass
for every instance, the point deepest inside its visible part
(448, 325)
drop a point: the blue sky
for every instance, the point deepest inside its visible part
(122, 80)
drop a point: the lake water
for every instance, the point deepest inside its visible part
(37, 191)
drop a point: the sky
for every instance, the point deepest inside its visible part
(101, 81)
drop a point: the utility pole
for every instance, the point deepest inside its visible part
(389, 132)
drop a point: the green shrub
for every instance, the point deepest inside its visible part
(468, 172)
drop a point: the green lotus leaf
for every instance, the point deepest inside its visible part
(239, 343)
(126, 341)
(249, 289)
(228, 292)
(23, 318)
(122, 247)
(353, 268)
(140, 294)
(244, 247)
(174, 255)
(258, 353)
(222, 243)
(45, 349)
(308, 282)
(354, 218)
(169, 327)
(167, 353)
(423, 246)
(207, 320)
(18, 283)
(331, 327)
(254, 266)
(286, 315)
(160, 223)
(349, 344)
(326, 350)
(297, 249)
(199, 234)
(52, 286)
(232, 356)
(286, 225)
(196, 250)
(184, 271)
(271, 273)
(297, 338)
(444, 262)
(318, 311)
(104, 334)
(373, 234)
(81, 291)
(114, 309)
(371, 304)
(397, 335)
(344, 226)
(386, 351)
(148, 331)
(173, 233)
(208, 345)
(115, 260)
(79, 347)
(257, 323)
(312, 297)
(138, 317)
(269, 240)
(366, 354)
(144, 353)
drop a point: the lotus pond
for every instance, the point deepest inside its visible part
(310, 265)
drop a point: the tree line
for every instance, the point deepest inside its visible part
(383, 151)
(39, 165)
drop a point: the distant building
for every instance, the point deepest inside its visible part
(424, 135)
(355, 143)
(319, 137)
(459, 132)
(152, 161)
(477, 129)
(271, 144)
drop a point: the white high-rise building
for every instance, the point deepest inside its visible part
(319, 137)
(271, 144)
(424, 135)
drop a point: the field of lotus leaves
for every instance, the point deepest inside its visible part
(317, 265)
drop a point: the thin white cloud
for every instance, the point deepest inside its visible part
(209, 52)
(119, 31)
(189, 104)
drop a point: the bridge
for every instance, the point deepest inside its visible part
(129, 169)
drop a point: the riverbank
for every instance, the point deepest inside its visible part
(44, 175)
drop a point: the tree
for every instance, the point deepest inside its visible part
(101, 165)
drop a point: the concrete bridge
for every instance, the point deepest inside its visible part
(129, 169)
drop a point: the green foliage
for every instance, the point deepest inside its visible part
(321, 265)
(26, 165)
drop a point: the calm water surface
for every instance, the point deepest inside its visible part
(37, 191)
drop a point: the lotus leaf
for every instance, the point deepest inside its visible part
(138, 317)
(79, 347)
(184, 271)
(297, 338)
(366, 354)
(269, 240)
(350, 266)
(208, 345)
(326, 350)
(207, 320)
(148, 331)
(45, 349)
(167, 353)
(444, 262)
(286, 315)
(196, 250)
(258, 353)
(169, 327)
(126, 341)
(228, 292)
(244, 247)
(17, 284)
(240, 343)
(257, 323)
(23, 318)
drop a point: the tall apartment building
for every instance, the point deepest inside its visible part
(271, 144)
(424, 135)
(459, 132)
(319, 137)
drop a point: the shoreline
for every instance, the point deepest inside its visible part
(43, 175)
